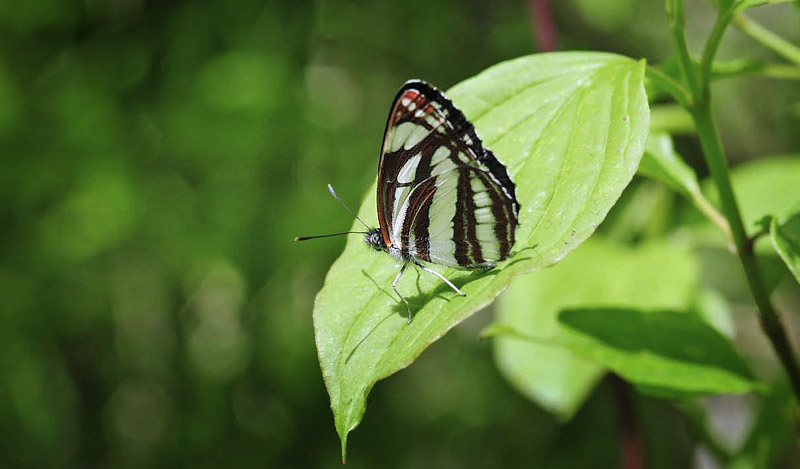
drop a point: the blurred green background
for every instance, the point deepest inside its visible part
(158, 157)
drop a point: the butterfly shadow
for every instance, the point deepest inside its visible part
(418, 301)
(516, 259)
(378, 324)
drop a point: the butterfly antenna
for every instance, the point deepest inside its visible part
(333, 193)
(305, 238)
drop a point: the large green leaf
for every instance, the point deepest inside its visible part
(785, 238)
(571, 128)
(660, 350)
(600, 272)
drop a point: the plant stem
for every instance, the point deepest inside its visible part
(632, 457)
(770, 322)
(767, 38)
(716, 218)
(718, 166)
(676, 26)
(710, 51)
(541, 18)
(720, 70)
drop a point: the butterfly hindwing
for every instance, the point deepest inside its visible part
(442, 197)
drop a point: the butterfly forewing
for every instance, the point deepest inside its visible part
(442, 197)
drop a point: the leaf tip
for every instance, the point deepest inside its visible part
(344, 448)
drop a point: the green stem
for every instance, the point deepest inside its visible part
(781, 72)
(767, 38)
(720, 70)
(685, 63)
(710, 51)
(770, 321)
(715, 217)
(718, 167)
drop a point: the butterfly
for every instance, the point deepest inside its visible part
(443, 198)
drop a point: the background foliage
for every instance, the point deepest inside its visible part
(159, 157)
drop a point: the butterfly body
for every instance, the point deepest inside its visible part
(374, 239)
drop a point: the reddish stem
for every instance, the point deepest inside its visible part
(629, 433)
(544, 29)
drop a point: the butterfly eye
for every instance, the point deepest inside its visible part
(374, 239)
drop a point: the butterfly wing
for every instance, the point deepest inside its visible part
(442, 196)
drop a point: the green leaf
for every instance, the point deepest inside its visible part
(785, 239)
(714, 308)
(662, 163)
(663, 350)
(600, 272)
(571, 129)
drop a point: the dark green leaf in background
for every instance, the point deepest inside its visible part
(600, 273)
(571, 128)
(664, 350)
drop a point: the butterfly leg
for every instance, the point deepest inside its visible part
(448, 282)
(394, 286)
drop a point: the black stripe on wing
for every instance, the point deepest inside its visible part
(478, 234)
(477, 247)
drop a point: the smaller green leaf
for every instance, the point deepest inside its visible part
(662, 163)
(786, 241)
(714, 308)
(600, 272)
(662, 350)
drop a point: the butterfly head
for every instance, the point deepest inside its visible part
(374, 239)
